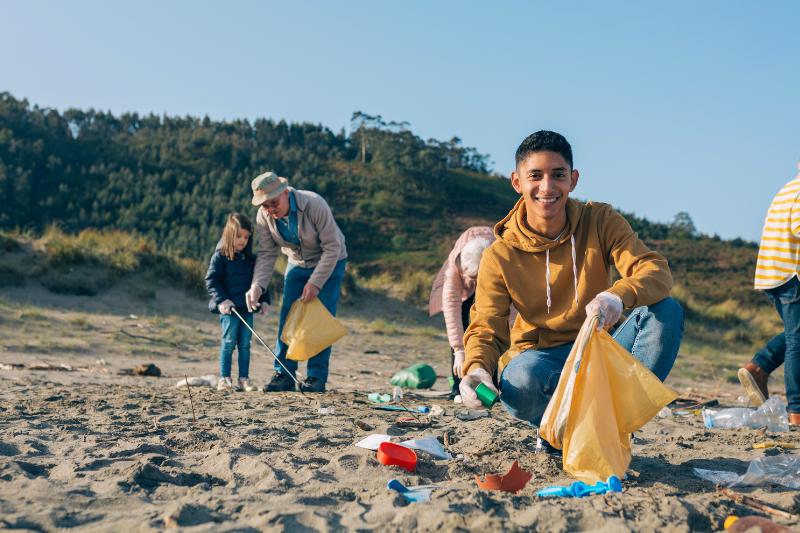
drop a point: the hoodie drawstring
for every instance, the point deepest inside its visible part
(574, 272)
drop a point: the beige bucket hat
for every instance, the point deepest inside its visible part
(267, 186)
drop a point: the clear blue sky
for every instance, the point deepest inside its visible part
(670, 106)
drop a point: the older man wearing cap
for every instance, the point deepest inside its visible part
(301, 225)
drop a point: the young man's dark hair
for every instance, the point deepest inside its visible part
(544, 141)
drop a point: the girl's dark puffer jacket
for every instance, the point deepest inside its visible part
(228, 279)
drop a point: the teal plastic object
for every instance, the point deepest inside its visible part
(419, 376)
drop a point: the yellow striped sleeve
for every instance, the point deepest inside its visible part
(770, 278)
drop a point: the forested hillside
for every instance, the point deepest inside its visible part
(400, 199)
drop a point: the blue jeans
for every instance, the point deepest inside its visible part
(652, 334)
(784, 348)
(235, 335)
(293, 283)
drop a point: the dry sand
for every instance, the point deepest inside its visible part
(95, 450)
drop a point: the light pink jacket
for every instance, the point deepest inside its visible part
(452, 287)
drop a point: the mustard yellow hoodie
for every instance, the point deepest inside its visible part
(514, 270)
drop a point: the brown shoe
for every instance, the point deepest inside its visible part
(754, 380)
(794, 419)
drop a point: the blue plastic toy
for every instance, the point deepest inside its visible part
(579, 489)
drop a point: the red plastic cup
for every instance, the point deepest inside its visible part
(393, 454)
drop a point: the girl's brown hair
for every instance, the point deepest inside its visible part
(235, 222)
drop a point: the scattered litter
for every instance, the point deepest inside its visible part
(432, 393)
(513, 481)
(457, 399)
(410, 422)
(133, 317)
(776, 470)
(209, 380)
(101, 362)
(666, 412)
(363, 425)
(774, 444)
(771, 414)
(392, 454)
(579, 489)
(472, 415)
(419, 376)
(429, 445)
(377, 397)
(326, 411)
(372, 351)
(372, 442)
(397, 394)
(437, 410)
(147, 370)
(412, 494)
(744, 400)
(420, 409)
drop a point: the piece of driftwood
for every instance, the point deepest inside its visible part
(49, 366)
(189, 390)
(757, 504)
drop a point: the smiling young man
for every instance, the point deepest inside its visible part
(552, 260)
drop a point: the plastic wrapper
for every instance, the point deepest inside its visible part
(773, 470)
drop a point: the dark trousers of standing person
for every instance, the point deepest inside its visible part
(465, 307)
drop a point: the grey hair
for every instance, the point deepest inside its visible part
(471, 255)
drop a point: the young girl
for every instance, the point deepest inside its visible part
(229, 276)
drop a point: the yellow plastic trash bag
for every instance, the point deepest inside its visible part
(604, 394)
(309, 329)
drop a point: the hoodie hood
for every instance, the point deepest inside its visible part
(514, 231)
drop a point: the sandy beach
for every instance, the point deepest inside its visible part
(90, 448)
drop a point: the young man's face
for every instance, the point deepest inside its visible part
(544, 179)
(277, 207)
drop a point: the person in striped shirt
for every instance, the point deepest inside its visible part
(777, 272)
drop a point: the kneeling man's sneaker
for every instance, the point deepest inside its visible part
(246, 385)
(279, 383)
(312, 384)
(224, 384)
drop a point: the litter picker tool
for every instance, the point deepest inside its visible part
(264, 344)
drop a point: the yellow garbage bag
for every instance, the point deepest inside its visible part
(604, 394)
(309, 329)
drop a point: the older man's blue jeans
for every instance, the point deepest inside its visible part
(784, 348)
(293, 282)
(652, 334)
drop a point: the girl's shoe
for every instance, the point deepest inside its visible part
(245, 385)
(224, 384)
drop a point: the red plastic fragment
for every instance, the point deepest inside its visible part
(513, 481)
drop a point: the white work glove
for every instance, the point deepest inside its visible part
(251, 298)
(225, 307)
(607, 306)
(458, 363)
(470, 382)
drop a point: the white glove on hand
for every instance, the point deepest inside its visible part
(606, 305)
(458, 363)
(470, 382)
(225, 307)
(251, 298)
